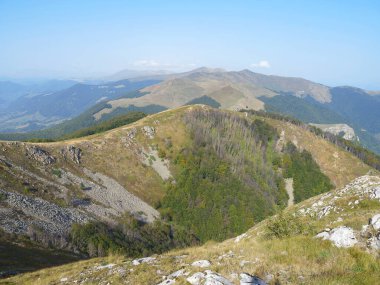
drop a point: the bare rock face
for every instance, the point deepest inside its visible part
(375, 222)
(246, 279)
(201, 263)
(340, 237)
(208, 278)
(40, 155)
(73, 153)
(371, 232)
(149, 131)
(345, 130)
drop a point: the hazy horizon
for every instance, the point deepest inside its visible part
(329, 42)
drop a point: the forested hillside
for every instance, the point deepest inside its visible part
(228, 178)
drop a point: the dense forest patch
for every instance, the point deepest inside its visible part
(308, 179)
(227, 180)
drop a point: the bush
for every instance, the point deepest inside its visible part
(3, 196)
(285, 225)
(57, 172)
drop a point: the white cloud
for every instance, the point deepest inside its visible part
(146, 63)
(262, 64)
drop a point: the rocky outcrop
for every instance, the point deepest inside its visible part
(110, 198)
(160, 165)
(340, 237)
(201, 263)
(73, 153)
(342, 130)
(149, 131)
(40, 155)
(24, 214)
(363, 187)
(247, 279)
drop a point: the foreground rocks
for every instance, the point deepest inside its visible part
(340, 237)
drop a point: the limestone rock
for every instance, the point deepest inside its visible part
(201, 263)
(247, 279)
(39, 154)
(212, 278)
(375, 222)
(143, 260)
(73, 153)
(196, 278)
(149, 131)
(341, 236)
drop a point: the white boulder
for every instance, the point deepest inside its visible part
(201, 263)
(143, 260)
(196, 278)
(340, 236)
(343, 237)
(375, 222)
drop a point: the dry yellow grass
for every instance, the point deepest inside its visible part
(340, 166)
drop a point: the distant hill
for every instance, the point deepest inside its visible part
(10, 91)
(28, 113)
(234, 90)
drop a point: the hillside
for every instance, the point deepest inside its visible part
(173, 179)
(37, 111)
(329, 239)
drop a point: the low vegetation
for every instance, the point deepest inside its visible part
(285, 225)
(130, 237)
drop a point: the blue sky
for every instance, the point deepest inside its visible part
(329, 41)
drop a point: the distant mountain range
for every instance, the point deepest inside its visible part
(156, 91)
(32, 112)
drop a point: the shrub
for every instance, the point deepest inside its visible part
(3, 196)
(285, 225)
(57, 172)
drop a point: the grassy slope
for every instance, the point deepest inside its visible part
(106, 153)
(296, 259)
(339, 165)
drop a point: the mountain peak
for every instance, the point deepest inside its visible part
(205, 69)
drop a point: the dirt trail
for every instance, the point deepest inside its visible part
(290, 191)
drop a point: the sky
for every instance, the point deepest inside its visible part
(328, 41)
